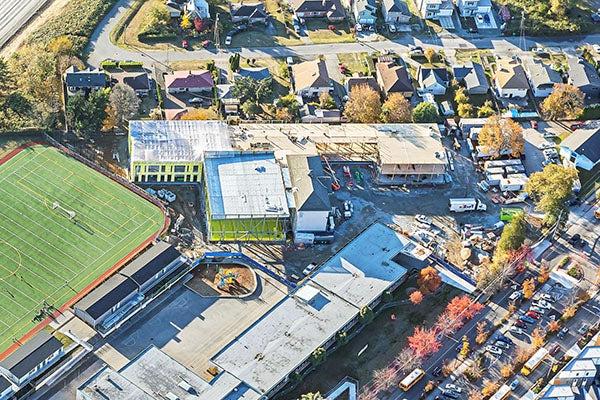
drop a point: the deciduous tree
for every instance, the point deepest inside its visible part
(465, 110)
(326, 101)
(416, 297)
(448, 324)
(251, 108)
(86, 116)
(429, 280)
(506, 370)
(553, 326)
(460, 96)
(407, 360)
(537, 338)
(430, 54)
(465, 347)
(364, 105)
(544, 273)
(396, 109)
(502, 136)
(186, 22)
(312, 396)
(489, 388)
(486, 110)
(550, 189)
(246, 88)
(384, 378)
(482, 332)
(565, 101)
(528, 288)
(124, 103)
(569, 312)
(512, 237)
(425, 113)
(423, 342)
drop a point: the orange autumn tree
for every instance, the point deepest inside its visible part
(424, 342)
(416, 297)
(429, 280)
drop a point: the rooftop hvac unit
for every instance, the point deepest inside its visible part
(171, 396)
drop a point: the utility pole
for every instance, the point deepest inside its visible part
(217, 38)
(522, 39)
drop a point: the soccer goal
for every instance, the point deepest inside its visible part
(61, 210)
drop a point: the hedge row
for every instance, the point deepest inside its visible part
(76, 21)
(108, 64)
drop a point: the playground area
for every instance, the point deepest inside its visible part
(64, 227)
(223, 280)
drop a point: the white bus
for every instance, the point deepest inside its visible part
(535, 360)
(412, 378)
(502, 393)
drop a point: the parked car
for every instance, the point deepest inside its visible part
(423, 219)
(515, 296)
(533, 314)
(542, 304)
(454, 388)
(502, 345)
(527, 319)
(563, 332)
(503, 338)
(576, 125)
(547, 297)
(493, 350)
(514, 384)
(228, 40)
(450, 394)
(197, 100)
(534, 124)
(583, 329)
(515, 329)
(555, 348)
(538, 310)
(521, 324)
(310, 268)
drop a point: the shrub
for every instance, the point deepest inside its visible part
(130, 64)
(77, 21)
(564, 261)
(108, 64)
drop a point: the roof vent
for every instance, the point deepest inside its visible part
(171, 396)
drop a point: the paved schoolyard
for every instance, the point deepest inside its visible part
(190, 328)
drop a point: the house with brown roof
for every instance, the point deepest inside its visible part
(393, 78)
(510, 78)
(189, 81)
(355, 81)
(330, 9)
(311, 78)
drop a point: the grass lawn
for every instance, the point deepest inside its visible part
(384, 339)
(475, 55)
(357, 63)
(318, 31)
(48, 257)
(129, 37)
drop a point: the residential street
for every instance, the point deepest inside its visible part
(101, 48)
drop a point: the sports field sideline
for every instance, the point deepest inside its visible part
(62, 225)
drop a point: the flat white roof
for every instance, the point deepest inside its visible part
(284, 338)
(364, 269)
(245, 184)
(176, 141)
(109, 384)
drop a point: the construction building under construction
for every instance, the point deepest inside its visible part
(403, 153)
(245, 197)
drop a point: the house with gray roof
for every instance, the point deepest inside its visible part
(393, 78)
(330, 9)
(248, 12)
(137, 80)
(311, 189)
(311, 78)
(583, 76)
(84, 81)
(32, 358)
(472, 76)
(542, 78)
(365, 12)
(395, 12)
(433, 80)
(6, 388)
(582, 148)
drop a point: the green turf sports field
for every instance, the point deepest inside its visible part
(62, 225)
